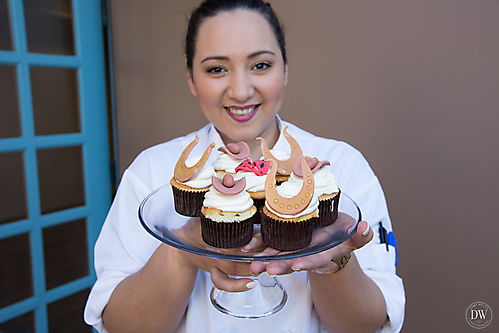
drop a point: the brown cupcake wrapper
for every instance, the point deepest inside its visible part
(226, 234)
(328, 210)
(287, 235)
(188, 203)
(259, 203)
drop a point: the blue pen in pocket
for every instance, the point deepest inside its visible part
(393, 242)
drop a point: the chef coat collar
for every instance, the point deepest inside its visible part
(281, 143)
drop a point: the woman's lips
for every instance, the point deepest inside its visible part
(242, 114)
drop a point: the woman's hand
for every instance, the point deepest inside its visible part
(219, 269)
(314, 262)
(221, 272)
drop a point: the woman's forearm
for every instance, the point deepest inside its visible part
(153, 299)
(348, 300)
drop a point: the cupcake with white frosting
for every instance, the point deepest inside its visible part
(291, 211)
(255, 173)
(326, 189)
(284, 160)
(227, 214)
(231, 156)
(191, 180)
(234, 160)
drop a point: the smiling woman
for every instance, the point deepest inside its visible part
(237, 69)
(239, 84)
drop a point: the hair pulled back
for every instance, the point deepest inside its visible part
(210, 8)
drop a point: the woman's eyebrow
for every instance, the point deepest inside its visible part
(215, 58)
(252, 55)
(258, 53)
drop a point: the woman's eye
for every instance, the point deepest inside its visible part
(216, 70)
(262, 66)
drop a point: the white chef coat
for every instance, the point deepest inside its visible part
(124, 247)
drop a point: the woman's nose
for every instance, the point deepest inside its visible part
(240, 87)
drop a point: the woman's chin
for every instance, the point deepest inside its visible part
(236, 137)
(235, 132)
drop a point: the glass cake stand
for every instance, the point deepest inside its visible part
(269, 296)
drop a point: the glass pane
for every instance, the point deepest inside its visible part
(60, 175)
(15, 270)
(49, 26)
(65, 249)
(55, 100)
(9, 114)
(66, 315)
(21, 324)
(12, 188)
(5, 32)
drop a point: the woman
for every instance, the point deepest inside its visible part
(237, 69)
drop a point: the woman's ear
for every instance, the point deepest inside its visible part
(190, 81)
(286, 70)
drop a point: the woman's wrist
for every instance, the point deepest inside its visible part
(340, 262)
(346, 293)
(180, 260)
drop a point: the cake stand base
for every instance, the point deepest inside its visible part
(267, 298)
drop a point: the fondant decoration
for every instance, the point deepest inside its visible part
(182, 173)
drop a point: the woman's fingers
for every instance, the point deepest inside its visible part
(279, 267)
(363, 235)
(224, 282)
(258, 267)
(255, 243)
(313, 261)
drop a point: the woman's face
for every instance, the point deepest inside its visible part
(238, 75)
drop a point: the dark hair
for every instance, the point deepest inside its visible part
(210, 8)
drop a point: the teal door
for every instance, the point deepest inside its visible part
(55, 184)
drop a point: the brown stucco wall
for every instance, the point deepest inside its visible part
(412, 84)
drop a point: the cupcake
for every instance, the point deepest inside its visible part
(227, 214)
(255, 174)
(191, 180)
(284, 160)
(290, 212)
(231, 156)
(326, 189)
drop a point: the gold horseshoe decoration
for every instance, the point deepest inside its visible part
(289, 206)
(283, 167)
(182, 173)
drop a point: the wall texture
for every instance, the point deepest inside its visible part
(412, 84)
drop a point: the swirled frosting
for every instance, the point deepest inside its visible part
(291, 188)
(203, 177)
(254, 183)
(226, 163)
(325, 183)
(279, 154)
(239, 203)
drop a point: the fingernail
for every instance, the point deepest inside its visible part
(296, 269)
(251, 242)
(271, 275)
(366, 232)
(251, 285)
(254, 275)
